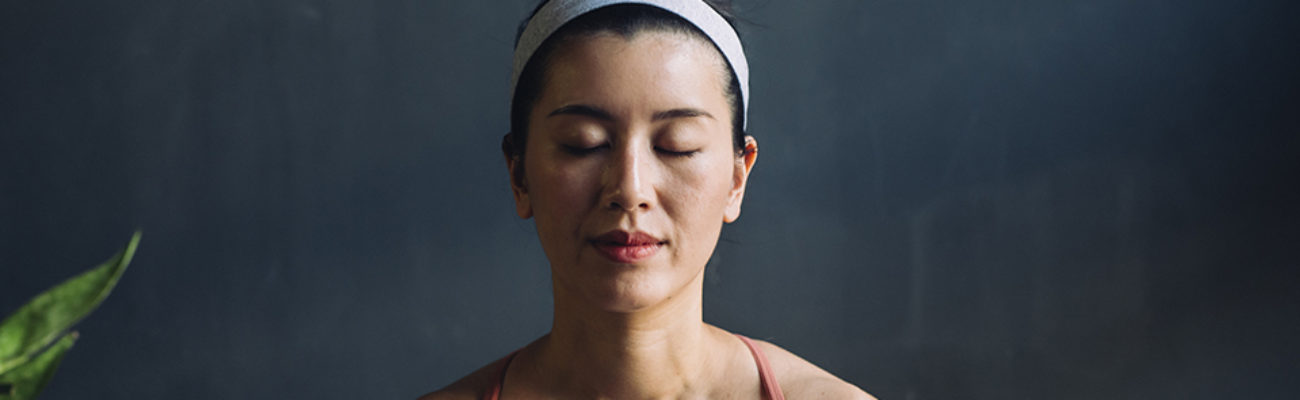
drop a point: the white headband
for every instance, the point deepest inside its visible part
(555, 13)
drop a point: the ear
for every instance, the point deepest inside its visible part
(518, 183)
(744, 164)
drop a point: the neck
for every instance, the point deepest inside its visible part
(654, 352)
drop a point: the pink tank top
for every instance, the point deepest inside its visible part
(771, 390)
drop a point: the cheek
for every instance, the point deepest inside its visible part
(699, 191)
(561, 191)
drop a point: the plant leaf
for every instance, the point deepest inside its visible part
(43, 319)
(28, 379)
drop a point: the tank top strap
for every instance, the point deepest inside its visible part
(771, 389)
(499, 380)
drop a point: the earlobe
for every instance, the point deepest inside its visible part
(519, 187)
(744, 164)
(518, 183)
(522, 207)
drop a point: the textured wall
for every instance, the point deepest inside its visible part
(955, 200)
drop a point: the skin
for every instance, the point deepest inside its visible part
(634, 134)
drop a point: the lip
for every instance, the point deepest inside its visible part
(627, 247)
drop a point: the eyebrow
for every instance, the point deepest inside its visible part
(597, 113)
(584, 111)
(681, 113)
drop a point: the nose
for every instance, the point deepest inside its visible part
(628, 180)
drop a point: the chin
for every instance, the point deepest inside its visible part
(630, 304)
(631, 292)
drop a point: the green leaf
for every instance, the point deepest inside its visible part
(28, 379)
(48, 315)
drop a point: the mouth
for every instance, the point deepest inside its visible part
(627, 247)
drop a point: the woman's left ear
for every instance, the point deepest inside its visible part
(740, 176)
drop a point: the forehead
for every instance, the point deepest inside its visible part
(647, 63)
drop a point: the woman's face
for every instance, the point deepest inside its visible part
(629, 168)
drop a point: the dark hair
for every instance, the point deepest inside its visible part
(625, 20)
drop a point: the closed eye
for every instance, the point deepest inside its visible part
(582, 151)
(674, 153)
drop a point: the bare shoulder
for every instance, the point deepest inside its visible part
(472, 386)
(801, 379)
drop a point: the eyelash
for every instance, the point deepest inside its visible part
(677, 153)
(582, 151)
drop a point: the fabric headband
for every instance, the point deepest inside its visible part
(555, 13)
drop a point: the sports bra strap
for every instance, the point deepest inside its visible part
(494, 393)
(771, 389)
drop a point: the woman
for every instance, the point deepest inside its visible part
(628, 149)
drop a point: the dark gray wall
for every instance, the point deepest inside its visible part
(954, 200)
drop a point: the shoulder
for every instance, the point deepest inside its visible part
(472, 386)
(800, 379)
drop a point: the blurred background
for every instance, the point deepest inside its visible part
(998, 199)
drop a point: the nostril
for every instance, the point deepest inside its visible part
(617, 205)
